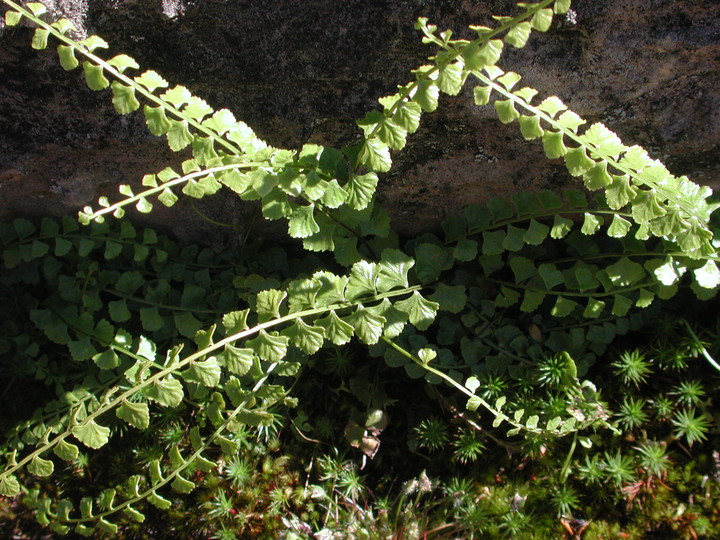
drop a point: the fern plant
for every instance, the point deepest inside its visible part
(541, 283)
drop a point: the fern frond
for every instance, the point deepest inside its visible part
(388, 129)
(662, 204)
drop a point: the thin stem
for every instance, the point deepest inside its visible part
(162, 306)
(700, 346)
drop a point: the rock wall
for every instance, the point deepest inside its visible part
(302, 71)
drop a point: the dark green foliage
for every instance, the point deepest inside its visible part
(256, 393)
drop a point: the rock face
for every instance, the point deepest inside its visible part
(305, 71)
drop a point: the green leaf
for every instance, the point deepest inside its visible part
(392, 134)
(335, 196)
(523, 268)
(621, 305)
(591, 224)
(465, 250)
(123, 62)
(561, 227)
(107, 359)
(552, 277)
(67, 57)
(473, 403)
(597, 177)
(302, 224)
(450, 78)
(625, 272)
(360, 190)
(134, 514)
(151, 319)
(124, 99)
(336, 330)
(450, 298)
(407, 116)
(206, 372)
(362, 280)
(586, 276)
(708, 275)
(421, 312)
(65, 450)
(269, 347)
(645, 298)
(94, 76)
(237, 182)
(91, 434)
(482, 95)
(392, 270)
(561, 7)
(477, 57)
(604, 140)
(158, 501)
(39, 249)
(81, 349)
(531, 300)
(619, 227)
(519, 34)
(646, 207)
(167, 197)
(553, 144)
(594, 308)
(368, 326)
(151, 80)
(514, 238)
(181, 485)
(308, 339)
(268, 304)
(221, 121)
(526, 94)
(119, 311)
(11, 19)
(157, 121)
(135, 414)
(9, 485)
(492, 243)
(40, 38)
(577, 161)
(530, 127)
(237, 361)
(168, 392)
(563, 307)
(472, 384)
(197, 108)
(570, 120)
(541, 22)
(552, 105)
(187, 324)
(235, 321)
(374, 155)
(506, 111)
(430, 260)
(426, 95)
(179, 136)
(536, 234)
(620, 192)
(40, 467)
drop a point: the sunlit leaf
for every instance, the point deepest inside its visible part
(135, 414)
(91, 434)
